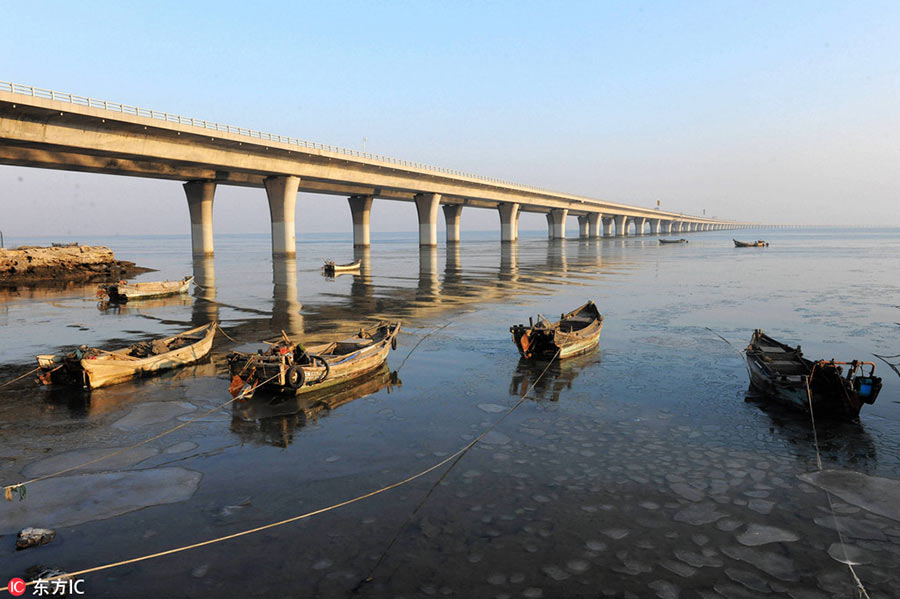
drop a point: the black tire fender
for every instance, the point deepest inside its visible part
(321, 361)
(394, 342)
(294, 377)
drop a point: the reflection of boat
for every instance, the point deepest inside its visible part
(549, 380)
(153, 303)
(331, 268)
(294, 368)
(781, 372)
(123, 292)
(682, 240)
(845, 443)
(275, 417)
(574, 333)
(91, 367)
(759, 243)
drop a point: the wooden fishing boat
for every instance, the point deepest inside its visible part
(122, 292)
(331, 268)
(90, 367)
(673, 240)
(288, 367)
(574, 333)
(759, 243)
(782, 373)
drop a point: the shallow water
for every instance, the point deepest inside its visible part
(638, 470)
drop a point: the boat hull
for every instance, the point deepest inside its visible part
(341, 369)
(781, 373)
(560, 339)
(111, 368)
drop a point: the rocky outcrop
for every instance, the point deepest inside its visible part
(34, 263)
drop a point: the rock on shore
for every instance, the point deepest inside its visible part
(34, 263)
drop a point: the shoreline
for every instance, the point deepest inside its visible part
(61, 264)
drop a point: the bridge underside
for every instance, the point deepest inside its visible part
(50, 134)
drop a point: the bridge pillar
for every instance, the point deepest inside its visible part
(583, 226)
(608, 222)
(452, 212)
(557, 218)
(427, 207)
(594, 221)
(509, 221)
(639, 223)
(360, 208)
(621, 225)
(654, 226)
(200, 204)
(665, 227)
(282, 194)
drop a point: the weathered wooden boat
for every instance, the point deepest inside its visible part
(288, 367)
(782, 373)
(759, 243)
(90, 367)
(331, 268)
(673, 240)
(122, 292)
(574, 333)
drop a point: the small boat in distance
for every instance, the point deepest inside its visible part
(332, 269)
(574, 333)
(122, 292)
(296, 369)
(90, 367)
(673, 240)
(782, 373)
(759, 243)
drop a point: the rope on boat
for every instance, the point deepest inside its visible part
(19, 488)
(859, 585)
(893, 366)
(419, 342)
(739, 352)
(460, 456)
(227, 336)
(20, 377)
(454, 457)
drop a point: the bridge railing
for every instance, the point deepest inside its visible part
(168, 117)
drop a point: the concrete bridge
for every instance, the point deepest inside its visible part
(47, 129)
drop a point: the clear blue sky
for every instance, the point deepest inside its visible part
(770, 111)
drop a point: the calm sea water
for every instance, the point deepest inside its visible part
(642, 469)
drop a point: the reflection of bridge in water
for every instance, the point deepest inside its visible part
(435, 290)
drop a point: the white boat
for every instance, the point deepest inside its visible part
(331, 268)
(122, 292)
(90, 367)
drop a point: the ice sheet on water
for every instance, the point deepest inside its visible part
(665, 589)
(876, 494)
(758, 534)
(699, 514)
(848, 554)
(75, 457)
(153, 412)
(855, 528)
(774, 564)
(70, 500)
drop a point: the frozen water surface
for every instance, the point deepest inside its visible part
(643, 469)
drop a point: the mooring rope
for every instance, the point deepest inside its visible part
(19, 377)
(462, 454)
(454, 456)
(859, 585)
(8, 490)
(419, 342)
